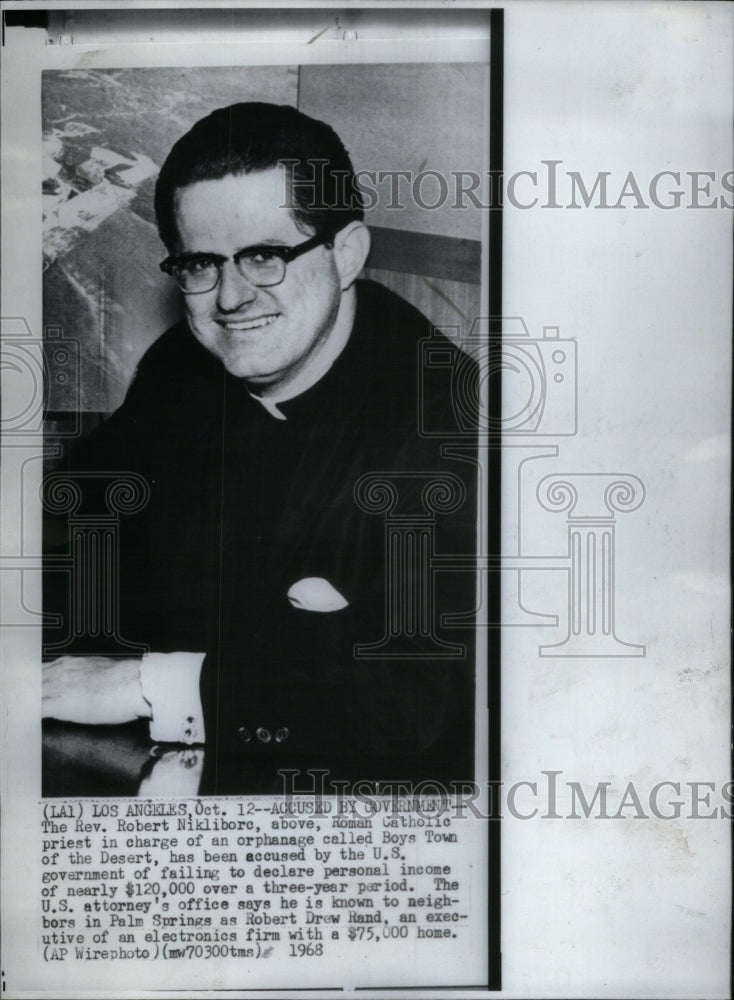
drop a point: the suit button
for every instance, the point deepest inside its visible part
(263, 734)
(282, 734)
(244, 734)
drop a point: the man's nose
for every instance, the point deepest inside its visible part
(233, 290)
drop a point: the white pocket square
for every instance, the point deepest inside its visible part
(314, 593)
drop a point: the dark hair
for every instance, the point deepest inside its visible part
(245, 138)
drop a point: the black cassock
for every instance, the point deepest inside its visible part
(369, 483)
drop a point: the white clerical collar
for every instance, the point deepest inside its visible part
(314, 373)
(271, 405)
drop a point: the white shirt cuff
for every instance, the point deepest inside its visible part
(170, 684)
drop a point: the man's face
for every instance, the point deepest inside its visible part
(265, 335)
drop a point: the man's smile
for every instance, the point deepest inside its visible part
(240, 325)
(268, 333)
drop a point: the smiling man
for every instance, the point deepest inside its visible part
(296, 513)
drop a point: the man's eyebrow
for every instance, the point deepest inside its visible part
(265, 244)
(251, 248)
(198, 254)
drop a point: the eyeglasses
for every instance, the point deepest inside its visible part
(262, 266)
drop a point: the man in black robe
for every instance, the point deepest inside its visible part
(302, 532)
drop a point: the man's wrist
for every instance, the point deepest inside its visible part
(169, 684)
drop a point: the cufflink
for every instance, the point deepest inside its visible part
(170, 685)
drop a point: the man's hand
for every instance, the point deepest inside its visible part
(96, 690)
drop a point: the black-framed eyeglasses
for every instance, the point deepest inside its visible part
(262, 265)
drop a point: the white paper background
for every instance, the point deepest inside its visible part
(589, 908)
(627, 907)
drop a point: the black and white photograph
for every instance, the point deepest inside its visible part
(365, 529)
(275, 501)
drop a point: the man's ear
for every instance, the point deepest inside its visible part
(351, 246)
